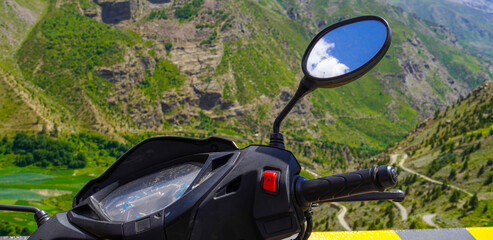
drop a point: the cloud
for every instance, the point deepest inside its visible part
(321, 64)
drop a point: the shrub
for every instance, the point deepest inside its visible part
(166, 76)
(168, 46)
(158, 15)
(188, 10)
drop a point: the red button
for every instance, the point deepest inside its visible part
(270, 181)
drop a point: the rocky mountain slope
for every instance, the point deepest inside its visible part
(445, 167)
(470, 21)
(482, 5)
(232, 58)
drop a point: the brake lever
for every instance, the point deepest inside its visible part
(396, 196)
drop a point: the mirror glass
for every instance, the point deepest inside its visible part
(346, 48)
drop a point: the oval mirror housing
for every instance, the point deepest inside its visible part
(345, 51)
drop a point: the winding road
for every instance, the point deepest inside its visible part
(312, 172)
(402, 210)
(401, 165)
(341, 215)
(342, 208)
(428, 219)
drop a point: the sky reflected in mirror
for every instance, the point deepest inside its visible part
(346, 48)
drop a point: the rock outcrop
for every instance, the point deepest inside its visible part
(121, 11)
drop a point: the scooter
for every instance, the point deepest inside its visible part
(184, 188)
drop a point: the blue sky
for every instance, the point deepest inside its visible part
(357, 43)
(346, 48)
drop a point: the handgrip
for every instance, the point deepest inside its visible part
(346, 184)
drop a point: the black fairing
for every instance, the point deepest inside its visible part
(58, 227)
(246, 211)
(226, 200)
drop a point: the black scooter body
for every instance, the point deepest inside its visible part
(226, 200)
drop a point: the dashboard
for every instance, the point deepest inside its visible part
(150, 193)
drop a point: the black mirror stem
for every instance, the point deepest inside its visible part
(276, 138)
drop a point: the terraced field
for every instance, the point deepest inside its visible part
(50, 190)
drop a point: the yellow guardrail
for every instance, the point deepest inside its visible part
(473, 233)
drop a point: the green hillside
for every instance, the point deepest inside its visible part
(16, 20)
(445, 167)
(455, 146)
(88, 84)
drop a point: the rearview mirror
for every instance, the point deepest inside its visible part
(345, 51)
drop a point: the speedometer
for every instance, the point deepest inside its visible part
(151, 193)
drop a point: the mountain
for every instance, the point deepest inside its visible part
(470, 21)
(159, 65)
(482, 5)
(445, 167)
(127, 69)
(456, 146)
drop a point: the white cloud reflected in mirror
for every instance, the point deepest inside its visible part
(321, 64)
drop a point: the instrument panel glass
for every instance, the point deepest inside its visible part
(150, 193)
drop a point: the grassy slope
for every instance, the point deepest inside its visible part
(460, 129)
(13, 108)
(457, 131)
(463, 128)
(59, 57)
(460, 66)
(16, 20)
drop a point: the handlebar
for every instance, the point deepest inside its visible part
(345, 185)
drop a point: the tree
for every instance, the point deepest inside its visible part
(22, 142)
(473, 202)
(453, 173)
(478, 146)
(464, 167)
(481, 171)
(44, 131)
(454, 198)
(205, 121)
(54, 132)
(391, 215)
(355, 224)
(168, 46)
(413, 225)
(7, 229)
(489, 180)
